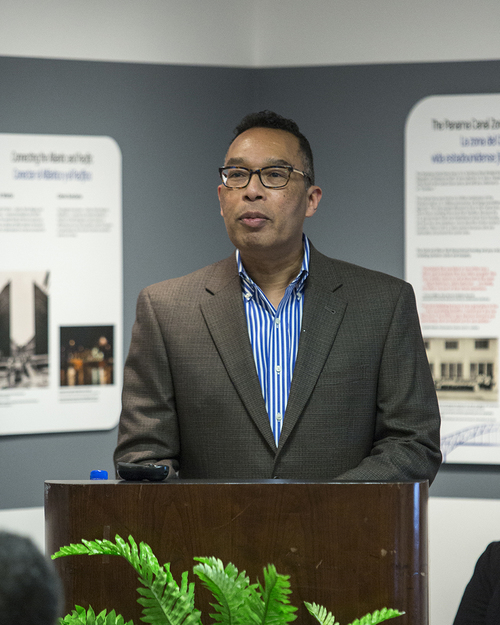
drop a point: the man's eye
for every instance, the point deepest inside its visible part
(235, 173)
(276, 173)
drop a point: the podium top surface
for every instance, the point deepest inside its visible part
(228, 481)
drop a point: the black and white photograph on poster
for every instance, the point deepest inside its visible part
(464, 369)
(24, 329)
(452, 222)
(86, 355)
(61, 204)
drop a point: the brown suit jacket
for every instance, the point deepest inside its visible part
(362, 404)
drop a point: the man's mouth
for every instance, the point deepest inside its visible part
(254, 219)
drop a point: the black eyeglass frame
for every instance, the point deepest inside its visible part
(251, 172)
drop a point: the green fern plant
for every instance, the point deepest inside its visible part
(164, 602)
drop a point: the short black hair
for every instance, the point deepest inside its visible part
(30, 590)
(270, 119)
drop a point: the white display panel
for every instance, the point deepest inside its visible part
(60, 283)
(453, 261)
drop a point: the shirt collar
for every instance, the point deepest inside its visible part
(248, 286)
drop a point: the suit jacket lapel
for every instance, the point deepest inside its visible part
(224, 315)
(322, 316)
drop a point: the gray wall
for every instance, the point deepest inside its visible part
(167, 117)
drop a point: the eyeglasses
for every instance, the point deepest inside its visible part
(273, 177)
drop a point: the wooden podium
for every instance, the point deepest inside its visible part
(352, 547)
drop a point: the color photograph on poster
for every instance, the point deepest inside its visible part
(86, 355)
(60, 283)
(452, 257)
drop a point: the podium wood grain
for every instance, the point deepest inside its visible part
(353, 548)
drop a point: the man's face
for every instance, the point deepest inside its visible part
(258, 219)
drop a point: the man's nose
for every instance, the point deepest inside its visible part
(254, 186)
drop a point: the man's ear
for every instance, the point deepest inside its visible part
(219, 189)
(314, 194)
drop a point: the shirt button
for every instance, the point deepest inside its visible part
(277, 322)
(299, 295)
(278, 369)
(279, 416)
(248, 296)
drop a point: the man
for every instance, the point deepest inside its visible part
(278, 361)
(30, 591)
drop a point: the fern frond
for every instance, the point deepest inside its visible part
(230, 588)
(164, 603)
(271, 605)
(321, 614)
(379, 616)
(81, 617)
(78, 616)
(186, 588)
(87, 547)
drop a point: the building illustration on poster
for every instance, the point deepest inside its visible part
(24, 330)
(60, 283)
(453, 262)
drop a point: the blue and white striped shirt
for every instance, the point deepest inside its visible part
(274, 335)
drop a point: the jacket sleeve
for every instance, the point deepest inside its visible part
(406, 436)
(148, 429)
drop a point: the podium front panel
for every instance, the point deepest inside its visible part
(352, 547)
